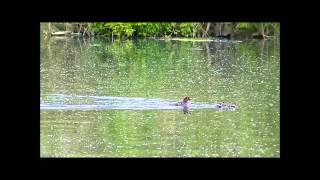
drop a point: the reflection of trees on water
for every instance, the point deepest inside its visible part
(154, 67)
(221, 57)
(61, 56)
(224, 57)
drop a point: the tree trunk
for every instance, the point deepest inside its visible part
(61, 33)
(49, 28)
(261, 30)
(203, 30)
(80, 27)
(259, 34)
(207, 29)
(195, 30)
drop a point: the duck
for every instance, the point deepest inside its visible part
(185, 102)
(226, 106)
(232, 105)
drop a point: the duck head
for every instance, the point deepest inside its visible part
(186, 99)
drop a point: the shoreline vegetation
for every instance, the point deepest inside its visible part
(195, 32)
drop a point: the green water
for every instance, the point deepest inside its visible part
(246, 73)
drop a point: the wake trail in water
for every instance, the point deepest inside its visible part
(73, 102)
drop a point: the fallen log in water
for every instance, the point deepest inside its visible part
(61, 33)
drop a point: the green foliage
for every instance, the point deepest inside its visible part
(272, 28)
(169, 29)
(245, 26)
(119, 29)
(99, 28)
(269, 28)
(147, 29)
(116, 29)
(143, 29)
(186, 29)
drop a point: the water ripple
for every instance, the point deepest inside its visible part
(62, 102)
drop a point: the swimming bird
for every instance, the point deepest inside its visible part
(185, 102)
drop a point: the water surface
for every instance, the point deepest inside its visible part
(110, 99)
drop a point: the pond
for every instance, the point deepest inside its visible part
(100, 98)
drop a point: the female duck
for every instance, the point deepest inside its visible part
(184, 103)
